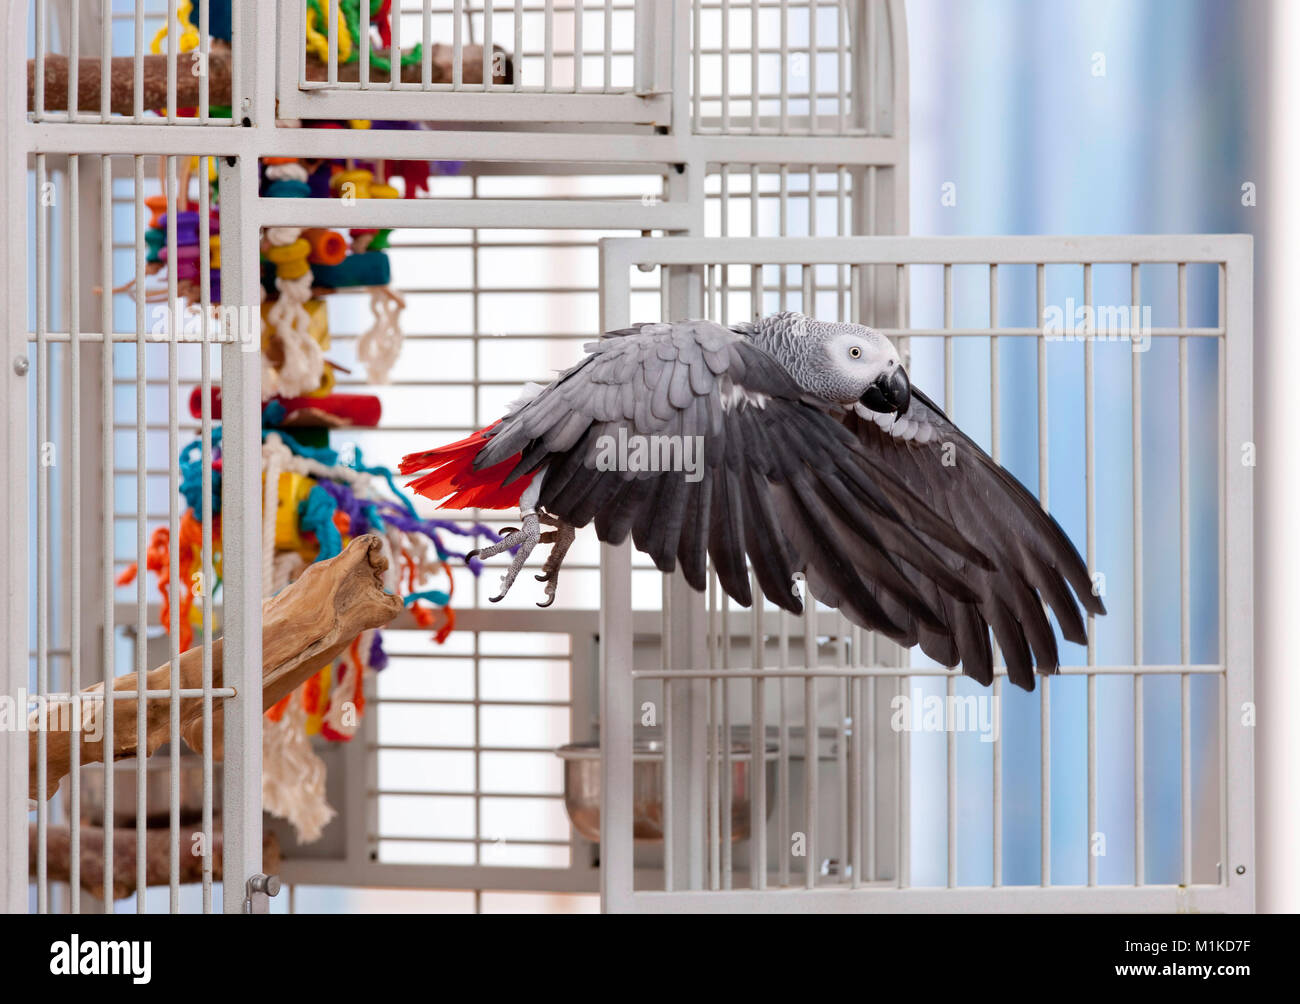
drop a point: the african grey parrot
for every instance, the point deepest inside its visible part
(817, 456)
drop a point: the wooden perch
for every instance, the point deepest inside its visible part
(122, 78)
(157, 856)
(304, 628)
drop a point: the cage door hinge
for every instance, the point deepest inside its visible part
(260, 888)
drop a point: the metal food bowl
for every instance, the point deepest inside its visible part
(157, 790)
(582, 788)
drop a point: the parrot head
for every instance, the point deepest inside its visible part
(845, 363)
(849, 364)
(864, 367)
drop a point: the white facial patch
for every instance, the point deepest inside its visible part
(863, 353)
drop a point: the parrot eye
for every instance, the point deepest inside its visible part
(855, 353)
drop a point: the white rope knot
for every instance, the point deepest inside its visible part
(304, 360)
(286, 172)
(293, 776)
(380, 346)
(282, 236)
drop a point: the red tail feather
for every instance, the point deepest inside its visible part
(451, 473)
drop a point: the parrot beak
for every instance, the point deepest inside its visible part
(891, 393)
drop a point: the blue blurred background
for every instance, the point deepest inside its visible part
(1123, 116)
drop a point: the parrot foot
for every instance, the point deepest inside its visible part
(525, 539)
(560, 539)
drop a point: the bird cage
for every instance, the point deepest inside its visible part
(615, 160)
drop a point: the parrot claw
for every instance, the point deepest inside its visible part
(560, 539)
(525, 539)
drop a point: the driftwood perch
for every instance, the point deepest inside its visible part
(122, 78)
(304, 627)
(157, 852)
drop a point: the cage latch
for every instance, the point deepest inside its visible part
(260, 888)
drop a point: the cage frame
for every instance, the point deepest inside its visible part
(664, 132)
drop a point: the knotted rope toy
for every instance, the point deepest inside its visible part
(314, 503)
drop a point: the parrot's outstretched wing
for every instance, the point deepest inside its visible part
(779, 479)
(1032, 559)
